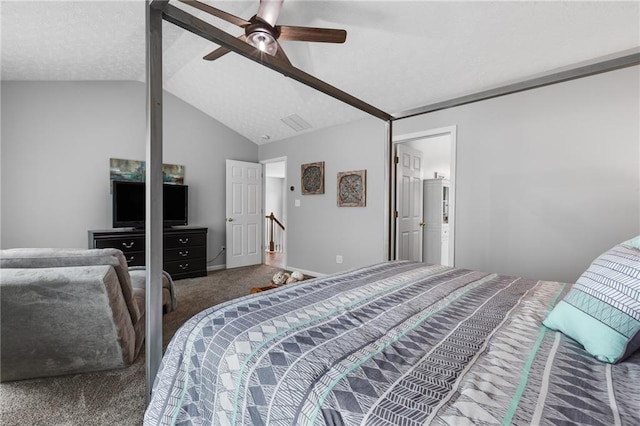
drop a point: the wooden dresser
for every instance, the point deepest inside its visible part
(184, 248)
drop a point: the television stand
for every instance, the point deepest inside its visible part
(184, 251)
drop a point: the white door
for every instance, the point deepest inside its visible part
(409, 203)
(438, 147)
(244, 213)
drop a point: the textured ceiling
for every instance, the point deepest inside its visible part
(398, 54)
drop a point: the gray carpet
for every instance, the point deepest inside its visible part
(117, 397)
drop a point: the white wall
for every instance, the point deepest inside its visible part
(436, 155)
(57, 138)
(274, 203)
(547, 179)
(273, 196)
(319, 230)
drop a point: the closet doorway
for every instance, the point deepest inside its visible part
(275, 212)
(425, 205)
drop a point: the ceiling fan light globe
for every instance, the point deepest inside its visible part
(263, 41)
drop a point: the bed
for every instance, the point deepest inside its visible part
(396, 343)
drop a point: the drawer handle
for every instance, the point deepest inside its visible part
(128, 245)
(183, 267)
(184, 254)
(183, 241)
(129, 260)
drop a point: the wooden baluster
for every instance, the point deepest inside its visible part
(271, 217)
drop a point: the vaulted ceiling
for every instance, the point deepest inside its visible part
(398, 55)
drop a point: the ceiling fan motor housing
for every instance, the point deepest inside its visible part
(262, 36)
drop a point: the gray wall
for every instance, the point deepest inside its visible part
(319, 230)
(57, 138)
(546, 179)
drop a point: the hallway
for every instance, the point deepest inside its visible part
(274, 259)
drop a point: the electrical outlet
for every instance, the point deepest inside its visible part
(338, 258)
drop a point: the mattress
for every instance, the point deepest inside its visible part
(396, 343)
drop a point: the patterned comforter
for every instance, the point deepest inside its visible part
(397, 343)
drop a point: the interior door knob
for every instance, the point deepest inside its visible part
(229, 219)
(422, 224)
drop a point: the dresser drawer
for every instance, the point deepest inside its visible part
(126, 244)
(184, 253)
(134, 258)
(185, 240)
(184, 249)
(186, 268)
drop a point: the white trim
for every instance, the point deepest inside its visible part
(453, 132)
(216, 267)
(423, 134)
(285, 208)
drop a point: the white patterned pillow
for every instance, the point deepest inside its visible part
(602, 310)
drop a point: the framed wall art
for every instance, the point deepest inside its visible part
(352, 188)
(312, 178)
(135, 170)
(131, 170)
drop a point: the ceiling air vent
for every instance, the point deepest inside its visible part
(296, 122)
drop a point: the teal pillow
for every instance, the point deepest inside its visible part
(602, 310)
(634, 242)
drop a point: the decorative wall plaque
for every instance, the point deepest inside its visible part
(352, 189)
(312, 178)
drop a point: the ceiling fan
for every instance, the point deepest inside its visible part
(262, 32)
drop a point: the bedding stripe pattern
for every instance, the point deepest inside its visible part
(398, 343)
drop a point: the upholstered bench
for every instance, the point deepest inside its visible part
(66, 311)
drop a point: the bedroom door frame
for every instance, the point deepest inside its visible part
(284, 203)
(410, 137)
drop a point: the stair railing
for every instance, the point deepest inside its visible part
(274, 233)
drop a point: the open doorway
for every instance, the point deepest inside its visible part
(425, 205)
(275, 212)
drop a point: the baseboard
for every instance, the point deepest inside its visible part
(216, 267)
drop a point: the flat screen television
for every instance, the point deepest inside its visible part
(129, 204)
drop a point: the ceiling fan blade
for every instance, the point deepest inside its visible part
(321, 35)
(216, 54)
(281, 55)
(221, 51)
(269, 11)
(217, 12)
